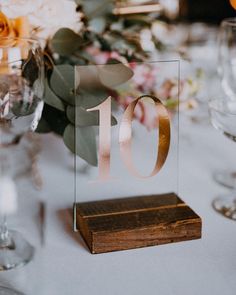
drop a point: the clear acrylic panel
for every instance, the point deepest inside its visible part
(133, 112)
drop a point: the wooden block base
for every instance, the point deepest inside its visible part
(136, 222)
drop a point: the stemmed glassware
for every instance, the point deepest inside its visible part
(223, 118)
(227, 73)
(227, 56)
(21, 91)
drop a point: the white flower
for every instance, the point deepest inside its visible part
(15, 8)
(170, 35)
(47, 16)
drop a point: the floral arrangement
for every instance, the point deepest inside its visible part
(91, 33)
(174, 94)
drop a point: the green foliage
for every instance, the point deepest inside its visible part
(113, 75)
(66, 42)
(81, 141)
(54, 119)
(52, 99)
(43, 126)
(80, 117)
(62, 82)
(95, 8)
(30, 69)
(66, 100)
(89, 99)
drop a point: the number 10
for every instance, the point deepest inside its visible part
(125, 137)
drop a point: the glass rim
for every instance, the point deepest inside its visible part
(222, 111)
(231, 21)
(29, 40)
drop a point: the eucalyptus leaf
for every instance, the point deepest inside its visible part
(43, 126)
(89, 99)
(112, 75)
(62, 83)
(88, 76)
(82, 141)
(56, 120)
(81, 58)
(80, 117)
(30, 69)
(91, 91)
(52, 99)
(95, 8)
(66, 42)
(84, 118)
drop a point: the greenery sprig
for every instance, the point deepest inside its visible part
(65, 110)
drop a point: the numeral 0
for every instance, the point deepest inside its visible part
(125, 137)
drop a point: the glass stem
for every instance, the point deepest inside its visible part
(5, 240)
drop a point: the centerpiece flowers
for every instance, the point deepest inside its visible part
(88, 33)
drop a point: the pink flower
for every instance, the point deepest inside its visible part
(168, 89)
(187, 89)
(143, 82)
(102, 57)
(145, 77)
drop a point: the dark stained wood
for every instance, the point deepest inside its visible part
(135, 222)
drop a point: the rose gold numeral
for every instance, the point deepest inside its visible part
(125, 136)
(104, 139)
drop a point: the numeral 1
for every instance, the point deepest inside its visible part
(104, 152)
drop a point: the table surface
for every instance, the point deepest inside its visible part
(205, 266)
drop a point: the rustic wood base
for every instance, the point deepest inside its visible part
(129, 223)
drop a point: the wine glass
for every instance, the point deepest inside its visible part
(223, 118)
(21, 92)
(227, 73)
(227, 57)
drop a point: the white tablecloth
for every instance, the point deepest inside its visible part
(206, 266)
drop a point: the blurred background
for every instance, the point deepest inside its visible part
(212, 11)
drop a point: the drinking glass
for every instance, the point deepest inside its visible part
(21, 92)
(227, 73)
(223, 118)
(227, 57)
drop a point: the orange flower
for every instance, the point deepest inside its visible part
(18, 27)
(6, 28)
(12, 28)
(233, 3)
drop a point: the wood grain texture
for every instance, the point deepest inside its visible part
(135, 222)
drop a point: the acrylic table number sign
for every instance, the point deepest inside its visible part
(127, 129)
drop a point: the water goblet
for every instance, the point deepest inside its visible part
(223, 118)
(21, 92)
(227, 57)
